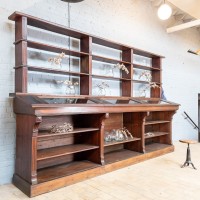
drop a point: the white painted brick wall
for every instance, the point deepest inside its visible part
(132, 22)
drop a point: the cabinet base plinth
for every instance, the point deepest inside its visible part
(34, 190)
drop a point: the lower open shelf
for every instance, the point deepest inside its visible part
(52, 178)
(155, 146)
(118, 155)
(59, 171)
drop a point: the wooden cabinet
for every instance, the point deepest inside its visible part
(47, 160)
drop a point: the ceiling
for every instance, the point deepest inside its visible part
(188, 6)
(185, 12)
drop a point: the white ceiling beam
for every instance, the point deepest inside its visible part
(183, 26)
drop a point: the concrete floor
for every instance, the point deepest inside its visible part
(156, 179)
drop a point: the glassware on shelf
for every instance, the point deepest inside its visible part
(70, 86)
(70, 90)
(107, 137)
(102, 88)
(119, 135)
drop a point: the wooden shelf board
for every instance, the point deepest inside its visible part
(63, 170)
(156, 134)
(57, 28)
(155, 146)
(63, 150)
(110, 77)
(139, 81)
(145, 67)
(52, 48)
(45, 133)
(156, 122)
(55, 71)
(145, 82)
(108, 60)
(106, 144)
(118, 155)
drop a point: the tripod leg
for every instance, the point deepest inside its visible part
(185, 164)
(193, 166)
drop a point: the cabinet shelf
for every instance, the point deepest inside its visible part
(59, 159)
(43, 133)
(139, 81)
(108, 60)
(144, 82)
(155, 146)
(59, 171)
(145, 67)
(121, 142)
(63, 150)
(110, 77)
(156, 122)
(55, 49)
(55, 71)
(118, 155)
(156, 134)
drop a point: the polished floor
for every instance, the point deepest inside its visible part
(156, 179)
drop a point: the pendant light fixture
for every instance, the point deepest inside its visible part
(72, 1)
(164, 11)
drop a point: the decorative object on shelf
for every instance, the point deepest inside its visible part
(117, 135)
(127, 131)
(71, 86)
(149, 134)
(147, 75)
(110, 69)
(122, 67)
(102, 88)
(150, 85)
(57, 60)
(107, 137)
(65, 128)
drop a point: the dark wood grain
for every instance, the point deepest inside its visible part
(55, 49)
(145, 67)
(44, 134)
(155, 147)
(109, 77)
(157, 134)
(121, 142)
(55, 71)
(63, 150)
(116, 156)
(156, 122)
(64, 170)
(45, 161)
(108, 60)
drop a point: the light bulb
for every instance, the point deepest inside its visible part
(164, 12)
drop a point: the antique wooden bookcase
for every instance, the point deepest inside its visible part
(46, 161)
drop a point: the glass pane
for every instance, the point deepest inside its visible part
(39, 82)
(141, 60)
(106, 52)
(141, 90)
(105, 69)
(102, 87)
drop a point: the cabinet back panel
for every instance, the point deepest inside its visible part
(115, 121)
(62, 140)
(48, 122)
(113, 148)
(55, 161)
